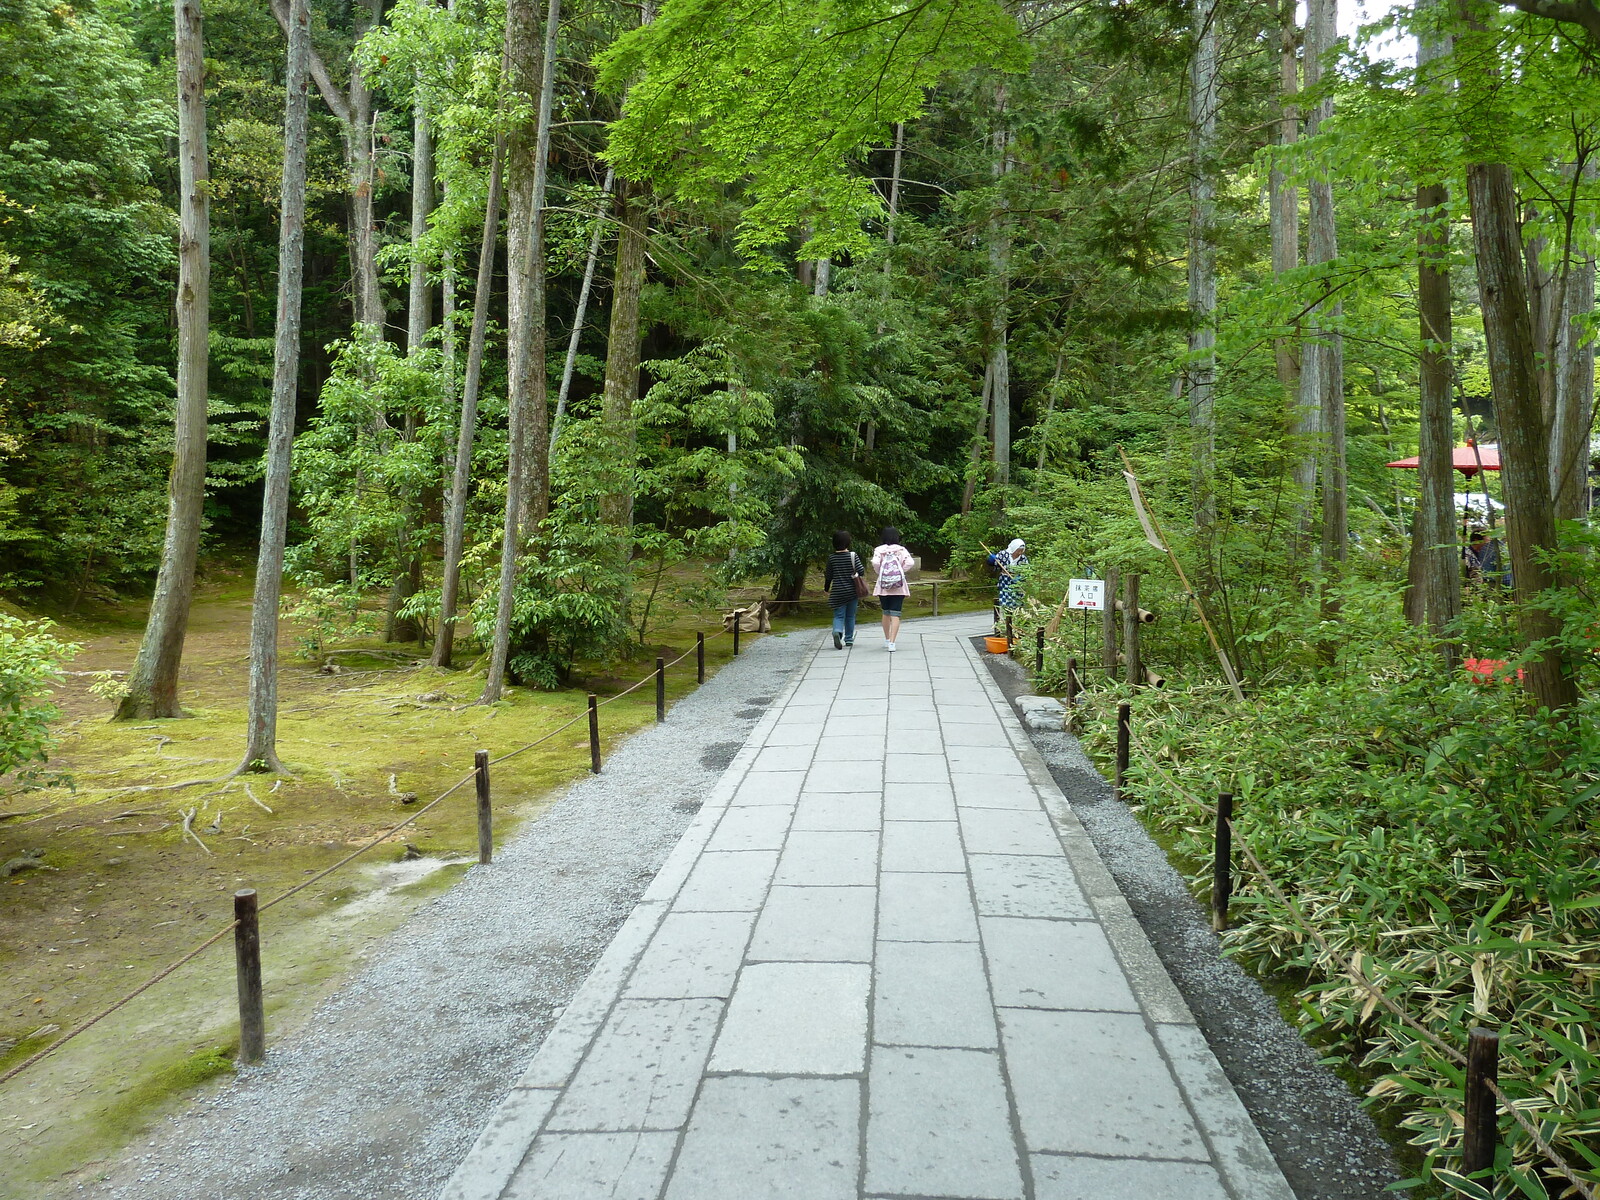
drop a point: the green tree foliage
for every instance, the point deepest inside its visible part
(30, 662)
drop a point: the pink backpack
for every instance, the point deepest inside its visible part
(892, 572)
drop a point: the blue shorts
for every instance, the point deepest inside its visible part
(892, 604)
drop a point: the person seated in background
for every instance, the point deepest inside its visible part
(1484, 557)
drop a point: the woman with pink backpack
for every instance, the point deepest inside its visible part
(893, 564)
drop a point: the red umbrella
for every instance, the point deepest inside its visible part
(1466, 459)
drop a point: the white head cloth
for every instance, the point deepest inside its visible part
(1016, 544)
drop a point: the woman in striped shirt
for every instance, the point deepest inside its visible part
(839, 581)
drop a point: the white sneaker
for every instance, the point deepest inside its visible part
(889, 646)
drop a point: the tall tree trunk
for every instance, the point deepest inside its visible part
(1508, 332)
(1434, 597)
(985, 400)
(1322, 246)
(999, 367)
(569, 365)
(824, 277)
(153, 682)
(360, 159)
(419, 320)
(1574, 407)
(261, 738)
(622, 359)
(456, 515)
(1284, 200)
(1201, 368)
(527, 483)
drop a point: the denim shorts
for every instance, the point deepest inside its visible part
(892, 604)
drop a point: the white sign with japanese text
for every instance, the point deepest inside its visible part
(1088, 594)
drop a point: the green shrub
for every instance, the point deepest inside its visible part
(30, 661)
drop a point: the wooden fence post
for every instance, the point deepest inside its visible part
(247, 966)
(1072, 686)
(1481, 1116)
(936, 597)
(1130, 628)
(700, 658)
(738, 619)
(594, 733)
(1108, 625)
(661, 690)
(1008, 631)
(1038, 653)
(480, 772)
(1124, 721)
(1222, 864)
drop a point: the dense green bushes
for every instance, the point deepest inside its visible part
(30, 661)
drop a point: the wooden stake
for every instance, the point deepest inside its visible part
(1038, 653)
(700, 658)
(661, 690)
(738, 619)
(1130, 628)
(1108, 625)
(1124, 736)
(1481, 1117)
(594, 733)
(247, 967)
(1222, 863)
(480, 772)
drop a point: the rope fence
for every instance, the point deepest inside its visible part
(245, 928)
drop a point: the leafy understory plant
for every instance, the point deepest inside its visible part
(31, 659)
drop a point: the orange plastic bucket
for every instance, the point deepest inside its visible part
(997, 645)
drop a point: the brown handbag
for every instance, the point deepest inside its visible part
(860, 576)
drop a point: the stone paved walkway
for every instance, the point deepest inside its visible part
(885, 961)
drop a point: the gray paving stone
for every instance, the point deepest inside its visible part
(1018, 885)
(854, 705)
(932, 994)
(905, 719)
(583, 1166)
(917, 741)
(796, 1019)
(771, 1139)
(925, 908)
(1238, 1149)
(922, 846)
(1054, 964)
(918, 802)
(1063, 1178)
(768, 787)
(808, 712)
(643, 1069)
(983, 759)
(864, 749)
(1000, 831)
(692, 954)
(500, 1146)
(816, 924)
(727, 881)
(938, 1125)
(823, 859)
(981, 736)
(784, 758)
(751, 827)
(850, 727)
(1094, 1083)
(994, 791)
(840, 811)
(795, 733)
(843, 776)
(952, 710)
(915, 768)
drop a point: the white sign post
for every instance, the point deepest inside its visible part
(1087, 594)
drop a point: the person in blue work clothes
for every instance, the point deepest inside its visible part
(1009, 563)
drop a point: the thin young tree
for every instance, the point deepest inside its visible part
(455, 521)
(621, 389)
(591, 264)
(1284, 200)
(1201, 370)
(530, 77)
(999, 235)
(261, 745)
(153, 682)
(1322, 365)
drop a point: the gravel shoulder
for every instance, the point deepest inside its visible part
(1325, 1142)
(383, 1092)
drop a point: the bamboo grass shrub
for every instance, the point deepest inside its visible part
(1437, 833)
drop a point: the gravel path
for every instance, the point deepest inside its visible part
(394, 1075)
